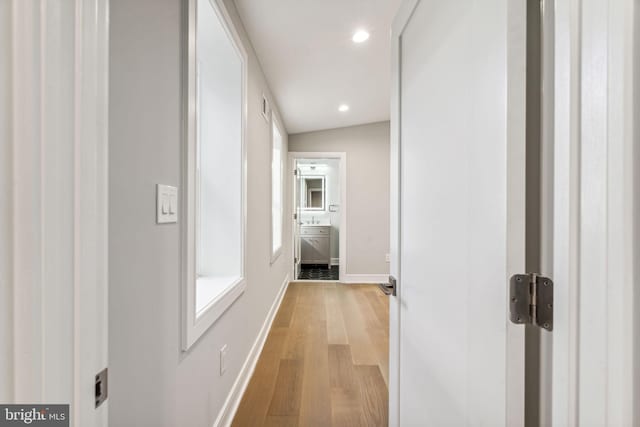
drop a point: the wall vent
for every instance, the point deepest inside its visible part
(265, 108)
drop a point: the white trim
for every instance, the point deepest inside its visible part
(595, 377)
(193, 326)
(230, 407)
(401, 19)
(516, 119)
(315, 282)
(344, 204)
(6, 201)
(365, 278)
(547, 191)
(296, 220)
(564, 365)
(274, 255)
(622, 189)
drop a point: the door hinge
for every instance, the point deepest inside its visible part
(102, 386)
(295, 260)
(295, 172)
(531, 300)
(389, 288)
(295, 216)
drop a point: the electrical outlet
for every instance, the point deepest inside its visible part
(387, 257)
(223, 359)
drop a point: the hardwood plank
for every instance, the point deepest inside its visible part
(255, 402)
(287, 307)
(356, 329)
(341, 374)
(287, 393)
(345, 388)
(374, 394)
(281, 421)
(336, 331)
(371, 321)
(294, 347)
(376, 331)
(380, 341)
(315, 408)
(346, 409)
(380, 304)
(303, 380)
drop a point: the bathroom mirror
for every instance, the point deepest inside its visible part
(313, 193)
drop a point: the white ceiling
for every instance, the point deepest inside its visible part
(313, 66)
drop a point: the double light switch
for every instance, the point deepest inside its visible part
(167, 204)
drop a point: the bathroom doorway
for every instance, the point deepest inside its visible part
(319, 228)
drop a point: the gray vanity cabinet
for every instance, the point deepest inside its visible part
(315, 244)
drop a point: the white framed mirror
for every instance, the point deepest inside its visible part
(313, 192)
(213, 231)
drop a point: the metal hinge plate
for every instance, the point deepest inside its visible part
(531, 300)
(295, 216)
(389, 288)
(102, 386)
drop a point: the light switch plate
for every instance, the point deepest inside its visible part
(166, 204)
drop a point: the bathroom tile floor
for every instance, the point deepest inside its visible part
(319, 272)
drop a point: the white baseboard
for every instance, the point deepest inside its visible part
(335, 261)
(365, 278)
(228, 411)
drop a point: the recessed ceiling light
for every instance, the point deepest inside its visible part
(360, 36)
(343, 108)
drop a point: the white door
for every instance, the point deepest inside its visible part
(297, 221)
(458, 146)
(53, 205)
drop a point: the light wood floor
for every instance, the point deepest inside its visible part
(325, 362)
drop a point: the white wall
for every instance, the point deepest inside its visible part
(153, 383)
(367, 204)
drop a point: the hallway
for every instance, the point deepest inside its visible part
(200, 198)
(325, 361)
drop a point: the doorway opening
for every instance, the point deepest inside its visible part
(319, 225)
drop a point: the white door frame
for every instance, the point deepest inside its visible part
(56, 77)
(596, 222)
(342, 156)
(399, 23)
